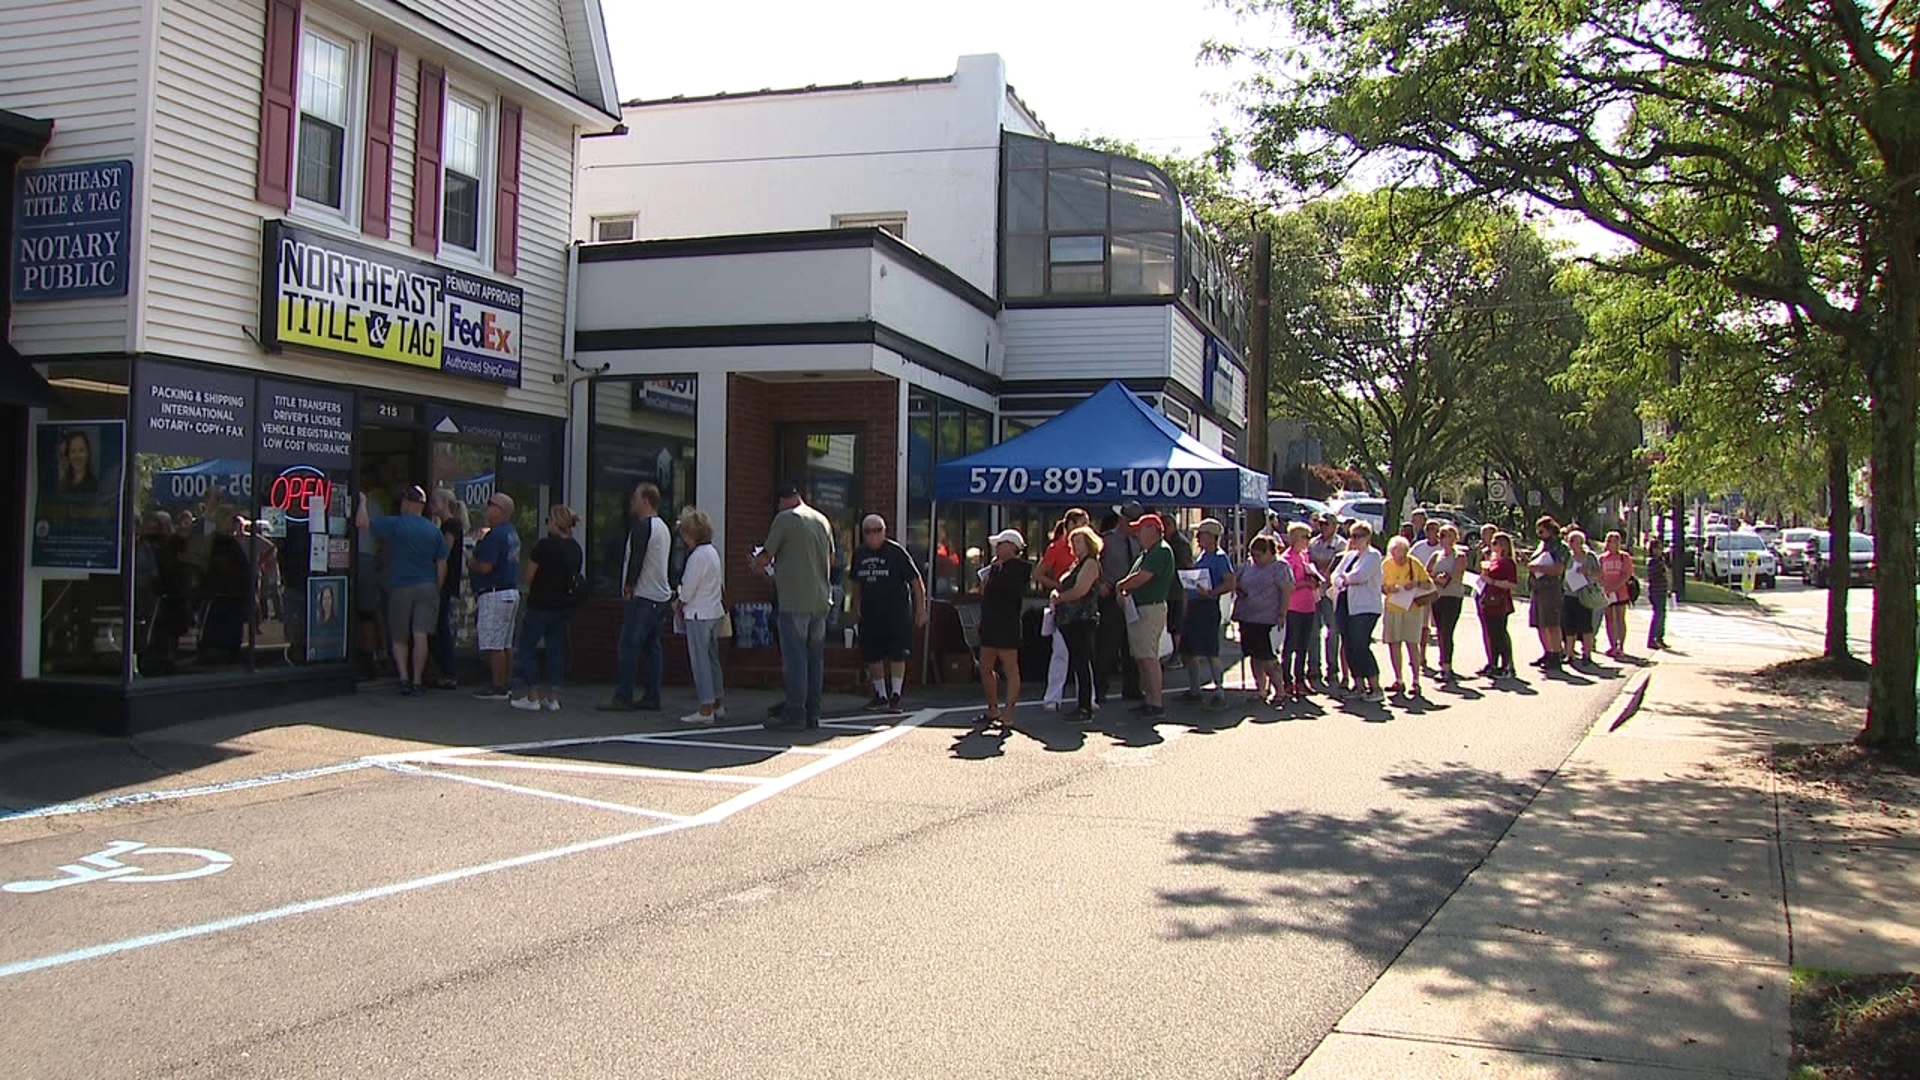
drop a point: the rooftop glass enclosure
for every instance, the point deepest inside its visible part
(1082, 226)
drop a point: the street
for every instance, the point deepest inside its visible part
(495, 896)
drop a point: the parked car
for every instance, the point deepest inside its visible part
(1292, 508)
(1818, 570)
(1370, 510)
(1726, 557)
(1459, 519)
(1792, 549)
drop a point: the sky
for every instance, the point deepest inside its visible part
(1086, 67)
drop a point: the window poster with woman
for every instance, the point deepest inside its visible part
(326, 619)
(76, 513)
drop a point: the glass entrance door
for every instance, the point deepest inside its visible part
(825, 462)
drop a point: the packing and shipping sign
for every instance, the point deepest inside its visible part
(338, 296)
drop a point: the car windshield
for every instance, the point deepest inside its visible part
(1863, 543)
(1740, 542)
(1798, 536)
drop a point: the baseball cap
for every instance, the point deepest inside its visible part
(1130, 510)
(1148, 519)
(1211, 525)
(1009, 536)
(414, 493)
(787, 490)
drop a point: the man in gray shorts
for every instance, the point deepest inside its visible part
(416, 564)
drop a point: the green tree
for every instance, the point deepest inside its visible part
(1773, 148)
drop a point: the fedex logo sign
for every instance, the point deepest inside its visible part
(488, 332)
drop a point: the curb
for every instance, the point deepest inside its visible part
(1628, 701)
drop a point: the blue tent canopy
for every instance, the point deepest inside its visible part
(1112, 447)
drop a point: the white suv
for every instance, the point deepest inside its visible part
(1726, 558)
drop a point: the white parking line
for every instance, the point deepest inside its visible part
(577, 800)
(135, 798)
(668, 741)
(712, 816)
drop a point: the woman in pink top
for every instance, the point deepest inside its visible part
(1307, 583)
(1616, 569)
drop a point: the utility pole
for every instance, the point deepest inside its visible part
(1678, 560)
(1258, 345)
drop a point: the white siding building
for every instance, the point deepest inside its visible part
(907, 271)
(338, 248)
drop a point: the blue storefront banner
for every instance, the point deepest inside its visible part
(72, 227)
(326, 619)
(76, 512)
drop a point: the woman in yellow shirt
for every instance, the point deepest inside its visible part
(1404, 581)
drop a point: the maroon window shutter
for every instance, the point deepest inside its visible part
(426, 157)
(279, 104)
(506, 206)
(376, 189)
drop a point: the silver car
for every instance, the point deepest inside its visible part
(1793, 549)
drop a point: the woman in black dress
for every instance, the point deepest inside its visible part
(1003, 595)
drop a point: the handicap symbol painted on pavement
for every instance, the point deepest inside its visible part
(105, 865)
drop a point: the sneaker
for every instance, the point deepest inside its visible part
(893, 705)
(1050, 706)
(1153, 712)
(406, 689)
(1190, 695)
(415, 690)
(551, 704)
(530, 704)
(492, 693)
(697, 718)
(877, 702)
(1376, 697)
(1217, 701)
(720, 712)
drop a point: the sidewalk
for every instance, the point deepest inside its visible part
(1639, 917)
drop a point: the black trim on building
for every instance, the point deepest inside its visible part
(854, 332)
(23, 136)
(1058, 395)
(803, 240)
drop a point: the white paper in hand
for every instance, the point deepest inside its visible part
(1575, 579)
(1132, 609)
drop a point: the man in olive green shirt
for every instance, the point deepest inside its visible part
(1148, 585)
(800, 549)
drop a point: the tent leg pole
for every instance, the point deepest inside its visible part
(933, 576)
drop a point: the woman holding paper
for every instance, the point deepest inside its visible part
(1448, 565)
(1209, 580)
(1262, 589)
(1544, 576)
(1576, 618)
(1499, 576)
(1403, 582)
(1357, 606)
(1616, 569)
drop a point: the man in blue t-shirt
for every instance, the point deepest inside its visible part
(416, 564)
(496, 590)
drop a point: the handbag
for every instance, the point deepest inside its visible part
(725, 628)
(1591, 596)
(1633, 590)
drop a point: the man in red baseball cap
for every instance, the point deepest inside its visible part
(1147, 587)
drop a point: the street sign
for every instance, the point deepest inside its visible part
(1499, 491)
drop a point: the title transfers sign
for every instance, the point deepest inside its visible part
(342, 297)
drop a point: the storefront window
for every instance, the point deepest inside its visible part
(940, 430)
(825, 462)
(76, 574)
(643, 430)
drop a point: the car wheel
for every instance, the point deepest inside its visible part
(1768, 583)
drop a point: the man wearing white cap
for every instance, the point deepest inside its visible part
(1003, 595)
(889, 603)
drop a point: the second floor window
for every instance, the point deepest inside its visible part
(464, 161)
(321, 165)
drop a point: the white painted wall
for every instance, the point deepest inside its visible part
(785, 162)
(202, 251)
(1189, 351)
(79, 63)
(1082, 343)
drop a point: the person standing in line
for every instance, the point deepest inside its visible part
(1149, 583)
(1502, 577)
(702, 605)
(1616, 569)
(1118, 549)
(889, 605)
(1478, 557)
(1576, 618)
(1273, 530)
(1055, 562)
(1358, 605)
(1403, 582)
(416, 564)
(1076, 612)
(451, 515)
(495, 567)
(1003, 594)
(800, 550)
(1546, 582)
(1447, 565)
(1302, 607)
(1182, 549)
(1260, 594)
(1200, 637)
(1658, 585)
(553, 584)
(1426, 538)
(1325, 549)
(645, 594)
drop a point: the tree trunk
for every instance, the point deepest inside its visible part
(1895, 372)
(1839, 540)
(1395, 491)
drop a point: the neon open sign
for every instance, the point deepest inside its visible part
(293, 490)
